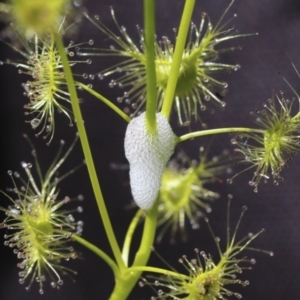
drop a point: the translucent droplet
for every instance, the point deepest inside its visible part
(80, 197)
(229, 180)
(112, 83)
(60, 282)
(35, 123)
(237, 67)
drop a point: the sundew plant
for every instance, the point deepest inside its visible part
(140, 134)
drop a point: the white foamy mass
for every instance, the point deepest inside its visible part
(148, 155)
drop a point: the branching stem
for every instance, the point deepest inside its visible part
(87, 153)
(129, 235)
(177, 57)
(98, 252)
(105, 101)
(149, 24)
(195, 134)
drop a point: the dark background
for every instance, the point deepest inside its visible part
(274, 208)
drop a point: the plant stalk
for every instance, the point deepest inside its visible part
(151, 96)
(195, 134)
(177, 57)
(87, 153)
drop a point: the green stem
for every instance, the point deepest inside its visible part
(177, 57)
(98, 252)
(149, 24)
(148, 236)
(192, 135)
(157, 270)
(129, 234)
(127, 281)
(105, 101)
(87, 153)
(296, 116)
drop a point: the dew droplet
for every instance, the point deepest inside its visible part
(229, 180)
(237, 67)
(35, 123)
(80, 197)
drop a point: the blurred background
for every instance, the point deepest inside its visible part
(275, 208)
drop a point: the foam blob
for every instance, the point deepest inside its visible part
(148, 155)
